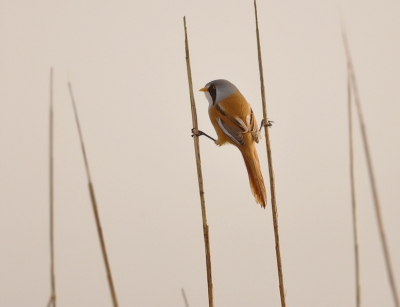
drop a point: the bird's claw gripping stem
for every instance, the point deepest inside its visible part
(200, 133)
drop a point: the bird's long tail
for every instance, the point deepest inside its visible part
(257, 186)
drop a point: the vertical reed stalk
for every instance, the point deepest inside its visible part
(185, 298)
(370, 170)
(50, 302)
(353, 194)
(51, 184)
(270, 168)
(199, 174)
(94, 205)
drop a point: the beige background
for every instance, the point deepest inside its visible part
(126, 62)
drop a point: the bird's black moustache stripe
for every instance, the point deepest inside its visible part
(213, 93)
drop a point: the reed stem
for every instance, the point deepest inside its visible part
(94, 206)
(199, 174)
(270, 167)
(353, 194)
(51, 189)
(185, 298)
(385, 248)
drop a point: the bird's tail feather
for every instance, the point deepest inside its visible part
(256, 180)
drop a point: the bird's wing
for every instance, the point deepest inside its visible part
(232, 127)
(253, 127)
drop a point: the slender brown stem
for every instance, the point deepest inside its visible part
(51, 183)
(370, 170)
(353, 194)
(199, 174)
(50, 302)
(94, 205)
(270, 168)
(185, 298)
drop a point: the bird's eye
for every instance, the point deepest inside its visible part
(214, 87)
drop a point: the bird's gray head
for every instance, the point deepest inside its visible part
(218, 90)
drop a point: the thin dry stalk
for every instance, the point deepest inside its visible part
(370, 170)
(51, 184)
(270, 168)
(199, 174)
(353, 194)
(50, 302)
(94, 205)
(185, 298)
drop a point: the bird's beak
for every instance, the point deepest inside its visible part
(203, 89)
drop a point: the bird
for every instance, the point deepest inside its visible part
(235, 123)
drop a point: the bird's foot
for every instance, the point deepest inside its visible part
(198, 133)
(264, 124)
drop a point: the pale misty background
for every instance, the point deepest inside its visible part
(126, 63)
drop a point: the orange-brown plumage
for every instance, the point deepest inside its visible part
(235, 123)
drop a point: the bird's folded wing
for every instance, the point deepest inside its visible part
(232, 127)
(253, 127)
(232, 132)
